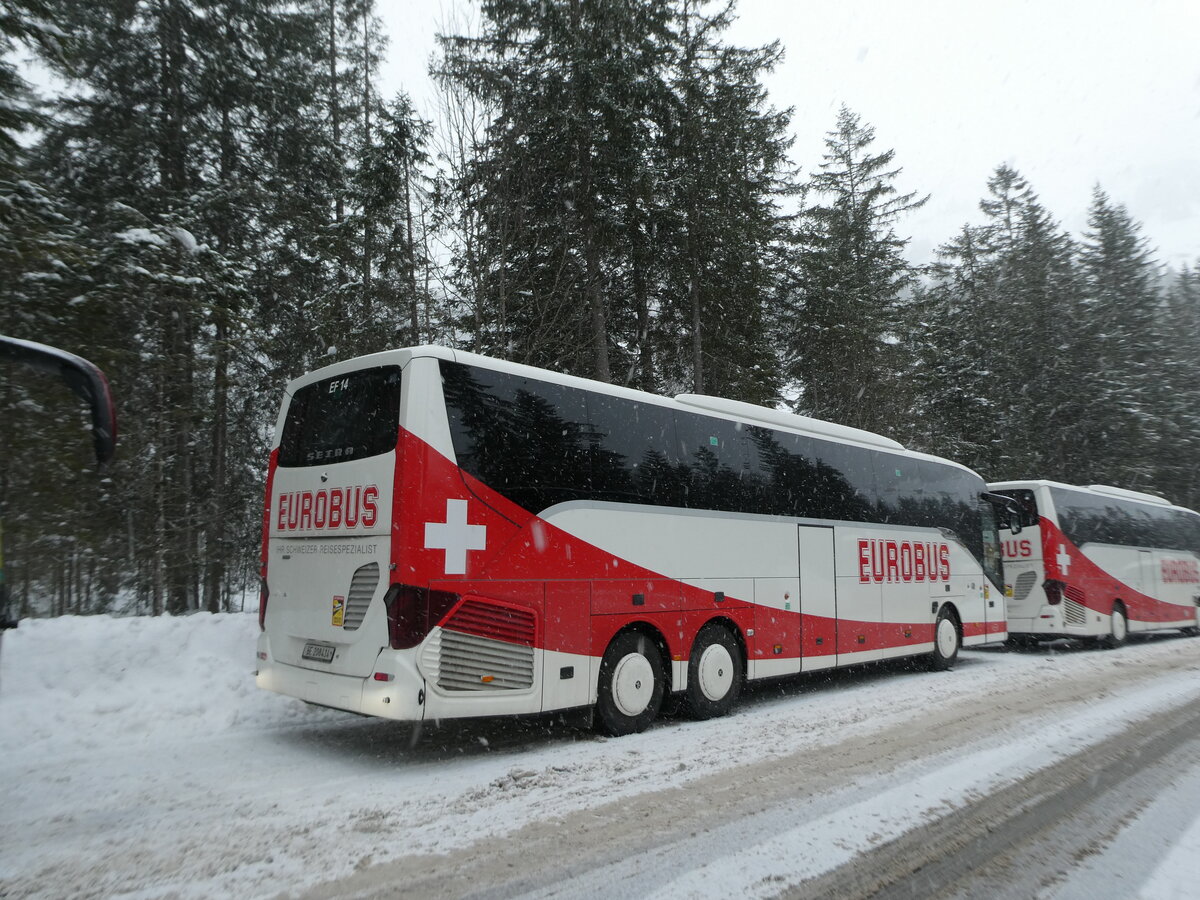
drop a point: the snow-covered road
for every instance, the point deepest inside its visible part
(139, 760)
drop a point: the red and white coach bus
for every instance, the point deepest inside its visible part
(1100, 562)
(448, 535)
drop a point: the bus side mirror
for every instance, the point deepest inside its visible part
(1009, 513)
(1014, 520)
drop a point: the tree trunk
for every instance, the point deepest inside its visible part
(697, 344)
(172, 57)
(368, 223)
(339, 201)
(411, 250)
(215, 545)
(641, 300)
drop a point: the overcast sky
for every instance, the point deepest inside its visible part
(1070, 92)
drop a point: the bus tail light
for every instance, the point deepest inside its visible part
(1054, 591)
(264, 594)
(412, 611)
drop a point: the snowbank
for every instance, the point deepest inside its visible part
(79, 682)
(140, 760)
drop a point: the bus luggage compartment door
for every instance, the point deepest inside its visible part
(818, 598)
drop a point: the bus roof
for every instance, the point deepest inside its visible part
(717, 406)
(1103, 490)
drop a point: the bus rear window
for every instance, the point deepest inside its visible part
(341, 419)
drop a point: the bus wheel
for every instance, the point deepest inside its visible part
(630, 689)
(1119, 626)
(714, 673)
(946, 642)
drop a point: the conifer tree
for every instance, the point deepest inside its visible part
(625, 197)
(725, 174)
(162, 146)
(1003, 371)
(1119, 432)
(1176, 363)
(950, 327)
(845, 320)
(569, 83)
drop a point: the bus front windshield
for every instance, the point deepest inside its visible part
(992, 562)
(1028, 504)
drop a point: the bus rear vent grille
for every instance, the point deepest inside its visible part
(489, 620)
(484, 647)
(1024, 584)
(362, 589)
(467, 662)
(1074, 613)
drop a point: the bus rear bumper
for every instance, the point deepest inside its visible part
(393, 691)
(1024, 625)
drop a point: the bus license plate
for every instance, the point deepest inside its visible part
(318, 652)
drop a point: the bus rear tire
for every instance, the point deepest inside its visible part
(630, 688)
(715, 673)
(946, 641)
(1119, 625)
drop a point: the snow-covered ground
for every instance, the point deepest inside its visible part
(139, 760)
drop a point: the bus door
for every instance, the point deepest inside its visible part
(1149, 587)
(818, 599)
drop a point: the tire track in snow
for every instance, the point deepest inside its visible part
(985, 845)
(720, 833)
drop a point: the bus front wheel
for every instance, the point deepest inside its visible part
(714, 673)
(946, 641)
(630, 688)
(1119, 629)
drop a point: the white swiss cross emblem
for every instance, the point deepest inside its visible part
(1063, 559)
(455, 536)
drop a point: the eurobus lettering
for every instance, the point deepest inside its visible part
(447, 535)
(892, 561)
(349, 507)
(1103, 562)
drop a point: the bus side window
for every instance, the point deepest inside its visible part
(907, 495)
(722, 461)
(519, 436)
(630, 446)
(847, 478)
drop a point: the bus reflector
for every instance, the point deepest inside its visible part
(487, 679)
(384, 676)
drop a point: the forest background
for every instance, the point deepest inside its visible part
(220, 198)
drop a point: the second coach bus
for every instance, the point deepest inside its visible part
(1099, 562)
(448, 535)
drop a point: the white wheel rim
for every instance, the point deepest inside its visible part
(1118, 625)
(715, 671)
(633, 684)
(947, 638)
